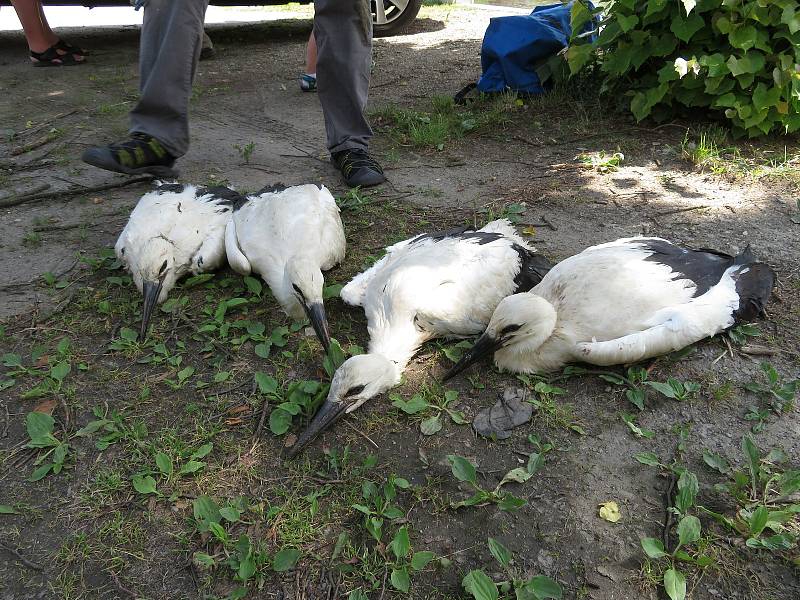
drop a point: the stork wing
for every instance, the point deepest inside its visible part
(236, 258)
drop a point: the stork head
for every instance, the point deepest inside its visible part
(521, 322)
(306, 281)
(155, 275)
(359, 378)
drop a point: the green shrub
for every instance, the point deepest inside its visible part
(736, 58)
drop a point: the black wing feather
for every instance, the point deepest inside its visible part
(533, 267)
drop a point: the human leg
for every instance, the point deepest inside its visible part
(45, 46)
(170, 45)
(343, 32)
(308, 80)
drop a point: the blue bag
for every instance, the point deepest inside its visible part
(514, 46)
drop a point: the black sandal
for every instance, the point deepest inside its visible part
(53, 58)
(69, 48)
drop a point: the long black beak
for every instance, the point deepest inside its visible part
(327, 415)
(483, 346)
(316, 314)
(151, 290)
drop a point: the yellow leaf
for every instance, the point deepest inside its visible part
(529, 231)
(610, 512)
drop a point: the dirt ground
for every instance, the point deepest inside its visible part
(88, 533)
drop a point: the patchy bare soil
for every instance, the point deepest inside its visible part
(87, 533)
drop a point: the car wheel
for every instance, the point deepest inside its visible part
(391, 16)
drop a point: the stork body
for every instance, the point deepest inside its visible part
(289, 236)
(430, 286)
(174, 230)
(622, 302)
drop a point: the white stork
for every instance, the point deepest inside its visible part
(622, 302)
(289, 236)
(173, 230)
(436, 285)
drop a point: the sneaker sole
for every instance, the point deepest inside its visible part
(103, 159)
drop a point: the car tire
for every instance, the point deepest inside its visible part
(396, 19)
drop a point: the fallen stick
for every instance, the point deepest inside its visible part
(32, 192)
(757, 350)
(33, 145)
(22, 559)
(679, 210)
(31, 197)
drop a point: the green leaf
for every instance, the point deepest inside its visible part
(12, 360)
(400, 580)
(285, 559)
(164, 463)
(758, 520)
(198, 280)
(431, 425)
(416, 404)
(463, 470)
(144, 484)
(653, 547)
(685, 28)
(517, 475)
(480, 586)
(401, 544)
(357, 595)
(202, 451)
(626, 23)
(205, 512)
(421, 559)
(334, 358)
(715, 461)
(636, 397)
(579, 16)
(578, 56)
(754, 459)
(647, 458)
(688, 530)
(247, 568)
(266, 383)
(191, 467)
(5, 509)
(675, 584)
(60, 370)
(262, 350)
(688, 487)
(279, 421)
(229, 513)
(743, 37)
(40, 429)
(253, 285)
(663, 388)
(510, 502)
(40, 472)
(544, 587)
(500, 552)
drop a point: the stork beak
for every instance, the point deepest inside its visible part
(485, 345)
(316, 314)
(151, 290)
(327, 415)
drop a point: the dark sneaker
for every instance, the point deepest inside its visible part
(308, 83)
(358, 168)
(141, 154)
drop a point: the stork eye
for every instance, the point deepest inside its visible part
(353, 391)
(509, 329)
(163, 268)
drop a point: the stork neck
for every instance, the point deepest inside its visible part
(396, 343)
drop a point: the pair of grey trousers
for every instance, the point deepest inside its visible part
(170, 45)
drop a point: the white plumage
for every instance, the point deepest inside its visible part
(436, 285)
(622, 302)
(289, 236)
(174, 230)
